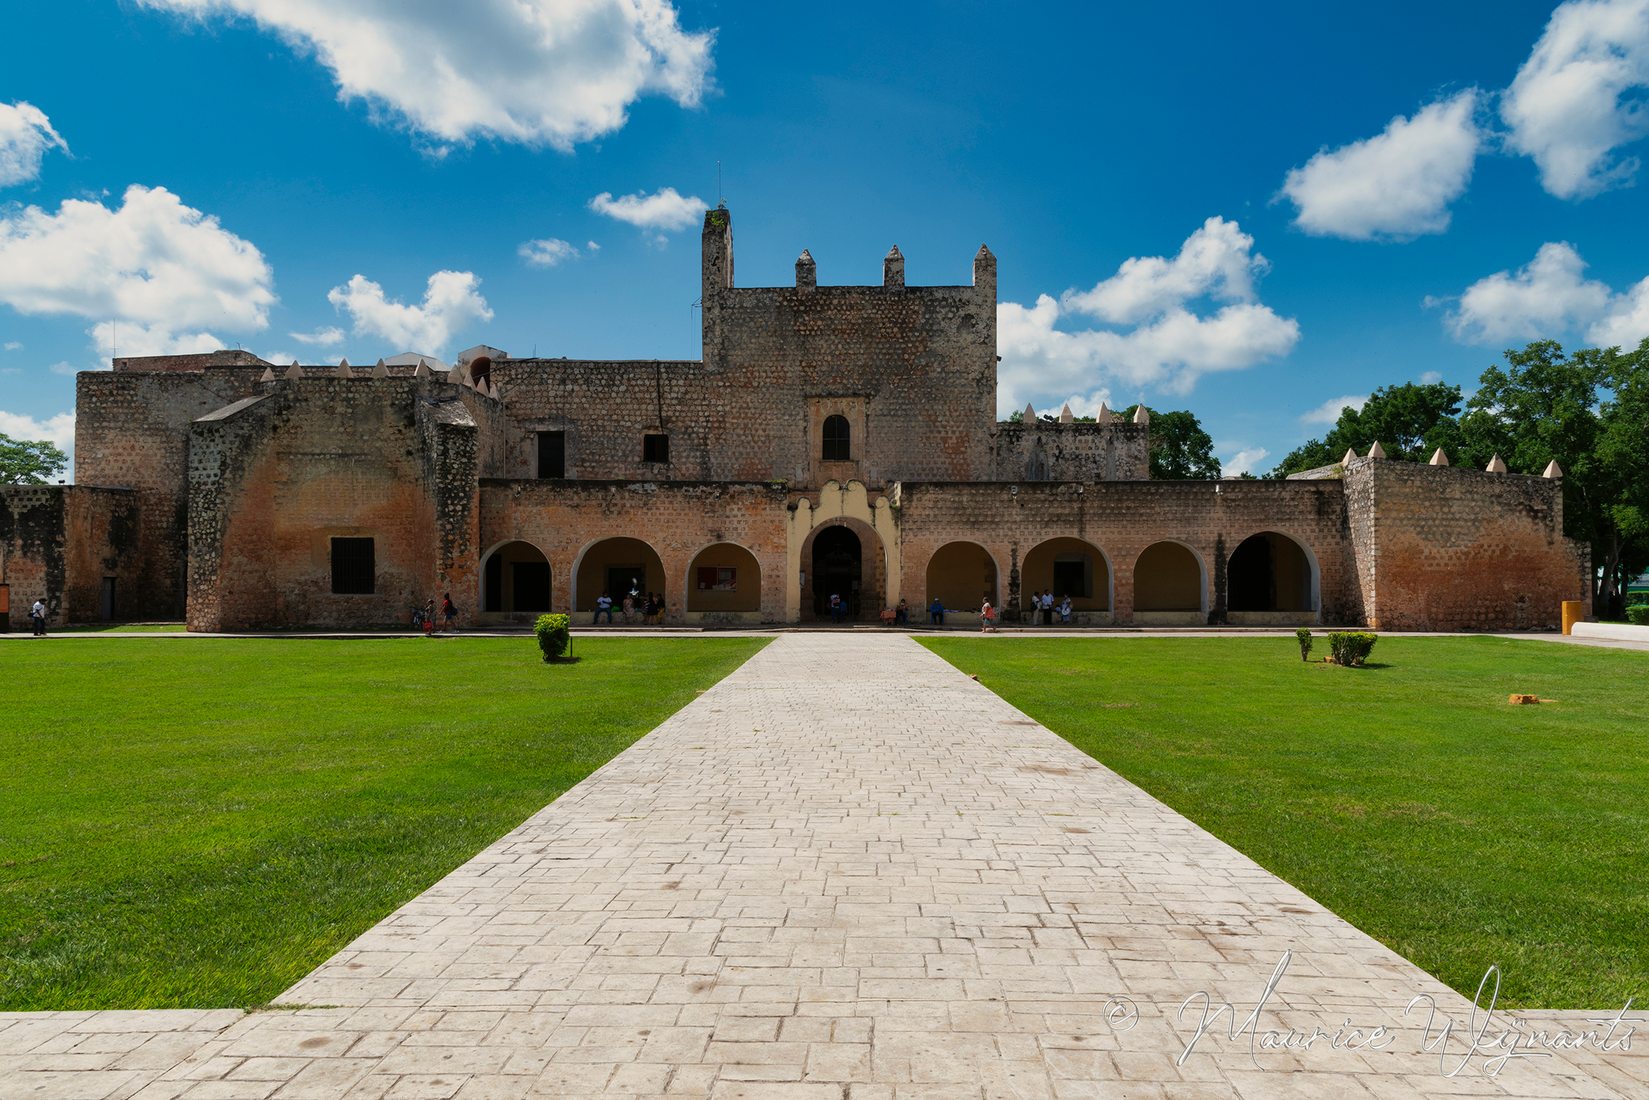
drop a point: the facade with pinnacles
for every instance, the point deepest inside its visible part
(832, 441)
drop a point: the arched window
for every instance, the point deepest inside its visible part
(837, 439)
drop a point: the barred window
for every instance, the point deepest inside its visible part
(838, 439)
(353, 572)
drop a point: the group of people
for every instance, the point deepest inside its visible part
(436, 621)
(648, 607)
(1043, 605)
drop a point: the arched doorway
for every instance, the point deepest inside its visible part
(1270, 573)
(515, 577)
(1068, 567)
(1170, 586)
(614, 566)
(724, 577)
(960, 576)
(837, 569)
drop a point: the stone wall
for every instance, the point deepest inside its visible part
(922, 360)
(1442, 548)
(132, 431)
(63, 545)
(677, 521)
(1044, 451)
(1120, 520)
(276, 477)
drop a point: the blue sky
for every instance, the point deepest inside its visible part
(364, 177)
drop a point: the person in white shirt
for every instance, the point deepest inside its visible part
(603, 606)
(37, 616)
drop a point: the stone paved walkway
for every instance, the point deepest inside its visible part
(846, 872)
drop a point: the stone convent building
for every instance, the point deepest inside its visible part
(832, 440)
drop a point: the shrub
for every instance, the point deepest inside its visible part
(1638, 614)
(1351, 647)
(1303, 636)
(554, 633)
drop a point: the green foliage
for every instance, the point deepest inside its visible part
(1410, 421)
(1180, 449)
(1351, 647)
(1638, 614)
(1303, 636)
(165, 851)
(554, 632)
(1371, 791)
(29, 461)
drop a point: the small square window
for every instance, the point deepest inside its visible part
(353, 571)
(552, 454)
(655, 447)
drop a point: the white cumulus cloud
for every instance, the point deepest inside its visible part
(327, 337)
(57, 429)
(1626, 322)
(26, 135)
(1546, 297)
(1243, 461)
(451, 300)
(1162, 333)
(159, 270)
(548, 251)
(1396, 184)
(663, 211)
(1579, 96)
(537, 72)
(1329, 411)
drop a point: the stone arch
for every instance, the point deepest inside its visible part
(866, 599)
(877, 523)
(617, 561)
(724, 577)
(515, 579)
(960, 574)
(1170, 584)
(1058, 563)
(1272, 574)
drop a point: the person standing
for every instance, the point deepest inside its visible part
(449, 611)
(1065, 611)
(838, 610)
(1048, 608)
(37, 618)
(987, 617)
(936, 612)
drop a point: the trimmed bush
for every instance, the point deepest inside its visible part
(1303, 636)
(554, 631)
(1638, 614)
(1351, 647)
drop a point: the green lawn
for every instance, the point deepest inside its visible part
(118, 628)
(1407, 796)
(199, 823)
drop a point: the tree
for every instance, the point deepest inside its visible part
(1180, 449)
(1623, 446)
(1409, 421)
(29, 462)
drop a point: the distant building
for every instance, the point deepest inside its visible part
(832, 440)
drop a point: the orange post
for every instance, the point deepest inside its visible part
(1571, 615)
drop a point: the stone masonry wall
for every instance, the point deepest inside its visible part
(1455, 549)
(58, 543)
(274, 479)
(1043, 451)
(1122, 519)
(132, 431)
(678, 520)
(922, 359)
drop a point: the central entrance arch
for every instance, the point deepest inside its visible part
(837, 569)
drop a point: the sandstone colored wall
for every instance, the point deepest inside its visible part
(58, 543)
(1443, 548)
(677, 520)
(1122, 519)
(1044, 451)
(275, 478)
(132, 431)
